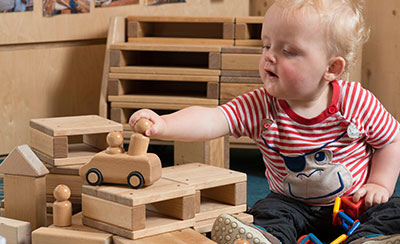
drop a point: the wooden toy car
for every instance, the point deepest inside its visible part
(136, 167)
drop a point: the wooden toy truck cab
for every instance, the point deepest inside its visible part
(136, 167)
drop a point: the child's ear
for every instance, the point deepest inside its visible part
(335, 68)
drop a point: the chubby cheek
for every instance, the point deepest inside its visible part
(261, 64)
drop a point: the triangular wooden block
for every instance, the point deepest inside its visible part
(22, 161)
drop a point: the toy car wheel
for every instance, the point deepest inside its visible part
(135, 180)
(94, 177)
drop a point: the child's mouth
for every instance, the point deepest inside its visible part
(272, 74)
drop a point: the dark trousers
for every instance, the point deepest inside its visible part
(288, 219)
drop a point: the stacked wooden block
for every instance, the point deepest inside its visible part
(186, 196)
(64, 144)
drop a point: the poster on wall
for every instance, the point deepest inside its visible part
(113, 3)
(7, 6)
(157, 2)
(56, 7)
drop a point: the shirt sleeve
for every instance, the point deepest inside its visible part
(245, 112)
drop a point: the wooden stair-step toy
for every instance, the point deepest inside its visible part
(52, 138)
(218, 190)
(164, 206)
(182, 30)
(248, 31)
(185, 236)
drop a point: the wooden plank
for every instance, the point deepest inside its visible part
(212, 90)
(228, 30)
(240, 73)
(202, 176)
(116, 33)
(181, 41)
(64, 170)
(78, 154)
(162, 99)
(249, 43)
(165, 70)
(15, 231)
(180, 208)
(56, 147)
(161, 190)
(242, 50)
(249, 20)
(246, 62)
(234, 194)
(158, 105)
(78, 225)
(232, 90)
(204, 226)
(214, 61)
(188, 19)
(155, 224)
(114, 87)
(190, 78)
(212, 209)
(127, 217)
(185, 236)
(167, 47)
(74, 125)
(235, 79)
(25, 199)
(46, 235)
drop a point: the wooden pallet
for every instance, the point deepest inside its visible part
(183, 30)
(218, 190)
(170, 206)
(51, 138)
(248, 31)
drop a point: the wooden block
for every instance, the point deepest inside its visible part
(78, 154)
(232, 90)
(164, 47)
(212, 90)
(56, 147)
(234, 194)
(188, 101)
(115, 58)
(248, 28)
(155, 224)
(75, 125)
(181, 41)
(15, 231)
(45, 235)
(96, 140)
(248, 43)
(25, 199)
(205, 226)
(185, 236)
(242, 50)
(177, 19)
(211, 209)
(127, 217)
(118, 115)
(233, 61)
(214, 61)
(74, 182)
(228, 30)
(242, 142)
(78, 225)
(243, 80)
(22, 161)
(182, 78)
(114, 88)
(180, 208)
(214, 152)
(64, 170)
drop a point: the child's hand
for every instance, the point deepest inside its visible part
(158, 123)
(374, 194)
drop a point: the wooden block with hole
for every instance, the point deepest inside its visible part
(221, 190)
(183, 30)
(164, 206)
(248, 31)
(70, 140)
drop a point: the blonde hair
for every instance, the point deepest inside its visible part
(344, 25)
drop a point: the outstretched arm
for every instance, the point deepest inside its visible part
(385, 166)
(189, 124)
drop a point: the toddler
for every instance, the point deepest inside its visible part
(321, 137)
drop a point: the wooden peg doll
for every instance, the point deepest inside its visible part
(62, 207)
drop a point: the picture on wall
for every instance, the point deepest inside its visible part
(113, 3)
(7, 6)
(56, 7)
(157, 2)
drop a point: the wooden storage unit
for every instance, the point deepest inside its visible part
(50, 138)
(182, 30)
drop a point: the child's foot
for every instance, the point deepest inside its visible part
(378, 239)
(227, 229)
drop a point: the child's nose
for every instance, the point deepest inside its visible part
(270, 57)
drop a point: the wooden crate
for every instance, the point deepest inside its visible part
(248, 31)
(218, 190)
(122, 210)
(51, 138)
(182, 30)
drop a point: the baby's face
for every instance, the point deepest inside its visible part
(294, 57)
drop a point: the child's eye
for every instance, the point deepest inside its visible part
(289, 53)
(266, 47)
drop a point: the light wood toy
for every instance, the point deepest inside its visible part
(24, 186)
(15, 231)
(137, 168)
(62, 208)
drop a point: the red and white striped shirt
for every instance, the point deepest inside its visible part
(353, 111)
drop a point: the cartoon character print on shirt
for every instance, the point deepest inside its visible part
(314, 178)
